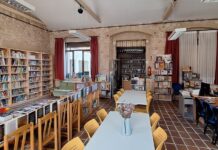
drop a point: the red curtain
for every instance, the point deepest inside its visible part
(172, 47)
(216, 72)
(59, 58)
(94, 57)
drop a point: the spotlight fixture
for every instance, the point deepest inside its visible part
(80, 10)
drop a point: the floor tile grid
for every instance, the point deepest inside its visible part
(180, 131)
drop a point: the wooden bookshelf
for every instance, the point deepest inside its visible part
(47, 73)
(4, 77)
(35, 84)
(163, 78)
(19, 66)
(24, 75)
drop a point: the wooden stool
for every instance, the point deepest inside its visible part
(47, 131)
(16, 135)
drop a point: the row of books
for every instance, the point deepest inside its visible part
(4, 94)
(163, 78)
(45, 63)
(3, 70)
(4, 78)
(164, 84)
(17, 54)
(3, 61)
(34, 68)
(18, 69)
(34, 62)
(18, 91)
(2, 53)
(36, 79)
(3, 86)
(19, 98)
(18, 62)
(18, 84)
(18, 77)
(34, 74)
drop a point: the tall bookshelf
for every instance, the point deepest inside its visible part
(35, 84)
(47, 78)
(4, 77)
(19, 76)
(163, 78)
(24, 75)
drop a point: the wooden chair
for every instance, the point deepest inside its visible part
(74, 144)
(122, 90)
(116, 98)
(159, 136)
(119, 93)
(63, 121)
(144, 109)
(47, 131)
(97, 96)
(16, 136)
(74, 115)
(101, 114)
(90, 127)
(154, 119)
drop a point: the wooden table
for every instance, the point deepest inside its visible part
(134, 97)
(109, 136)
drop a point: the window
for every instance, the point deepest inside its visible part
(78, 61)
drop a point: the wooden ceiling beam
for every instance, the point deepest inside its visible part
(89, 10)
(169, 10)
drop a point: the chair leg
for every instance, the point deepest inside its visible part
(205, 128)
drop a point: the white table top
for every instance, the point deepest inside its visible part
(109, 136)
(133, 97)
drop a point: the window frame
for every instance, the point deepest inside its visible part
(73, 60)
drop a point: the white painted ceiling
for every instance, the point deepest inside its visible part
(62, 14)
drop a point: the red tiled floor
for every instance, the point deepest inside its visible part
(182, 134)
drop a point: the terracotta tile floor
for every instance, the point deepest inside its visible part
(182, 134)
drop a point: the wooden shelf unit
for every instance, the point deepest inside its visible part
(163, 78)
(4, 77)
(22, 75)
(47, 77)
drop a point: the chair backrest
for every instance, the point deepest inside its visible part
(154, 119)
(47, 130)
(119, 93)
(63, 120)
(90, 127)
(159, 136)
(116, 98)
(17, 135)
(75, 114)
(210, 115)
(122, 90)
(149, 99)
(74, 144)
(101, 114)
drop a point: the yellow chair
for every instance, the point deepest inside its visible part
(74, 144)
(47, 131)
(16, 135)
(144, 109)
(149, 100)
(122, 90)
(154, 119)
(159, 136)
(101, 114)
(119, 93)
(90, 127)
(116, 98)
